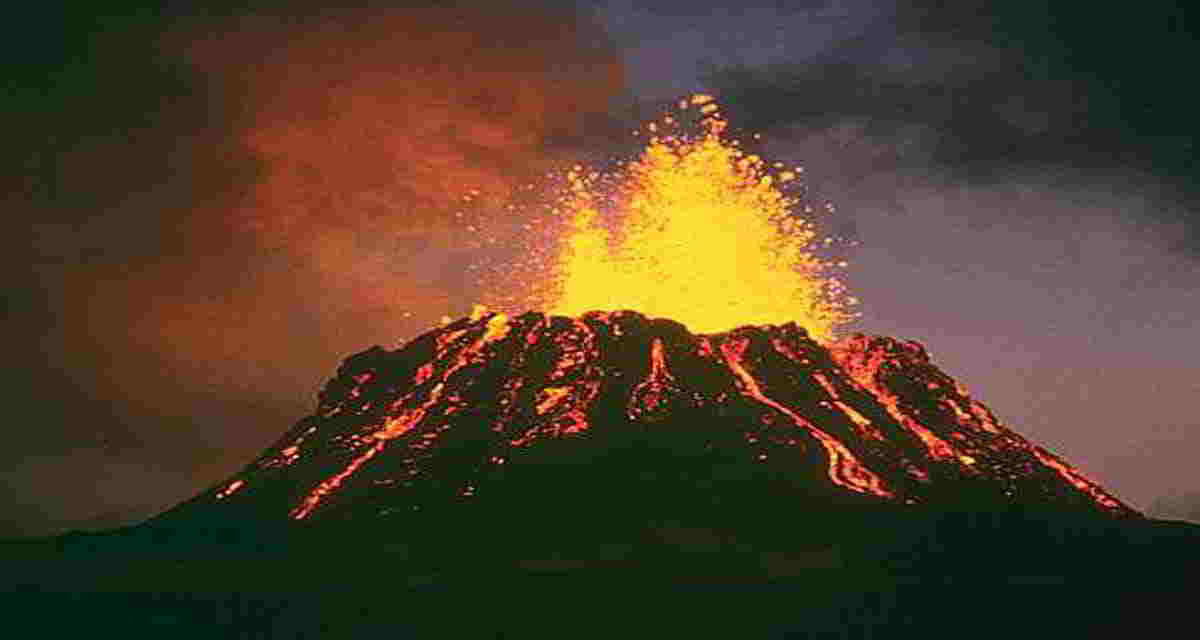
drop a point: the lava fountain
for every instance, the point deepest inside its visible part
(696, 230)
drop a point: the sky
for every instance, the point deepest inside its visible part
(212, 204)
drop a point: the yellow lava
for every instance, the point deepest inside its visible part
(706, 237)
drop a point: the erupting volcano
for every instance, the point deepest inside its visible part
(743, 372)
(662, 393)
(687, 382)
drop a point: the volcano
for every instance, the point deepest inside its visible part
(721, 435)
(615, 451)
(494, 437)
(447, 417)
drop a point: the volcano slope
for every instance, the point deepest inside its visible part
(562, 434)
(613, 446)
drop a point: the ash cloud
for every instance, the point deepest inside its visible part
(215, 207)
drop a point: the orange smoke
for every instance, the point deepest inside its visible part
(372, 125)
(706, 237)
(287, 198)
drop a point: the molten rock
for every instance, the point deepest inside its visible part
(452, 415)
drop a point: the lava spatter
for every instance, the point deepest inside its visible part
(694, 229)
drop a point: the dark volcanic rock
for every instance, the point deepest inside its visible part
(615, 406)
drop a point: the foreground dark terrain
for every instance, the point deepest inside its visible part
(614, 476)
(815, 576)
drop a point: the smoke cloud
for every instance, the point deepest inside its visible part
(218, 208)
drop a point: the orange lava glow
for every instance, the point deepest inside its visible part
(706, 237)
(647, 396)
(844, 468)
(864, 374)
(233, 486)
(551, 396)
(865, 428)
(1071, 475)
(407, 416)
(314, 498)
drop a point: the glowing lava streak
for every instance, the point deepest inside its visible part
(233, 486)
(865, 372)
(497, 327)
(325, 488)
(707, 238)
(844, 467)
(648, 396)
(1075, 478)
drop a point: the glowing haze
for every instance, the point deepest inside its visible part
(695, 230)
